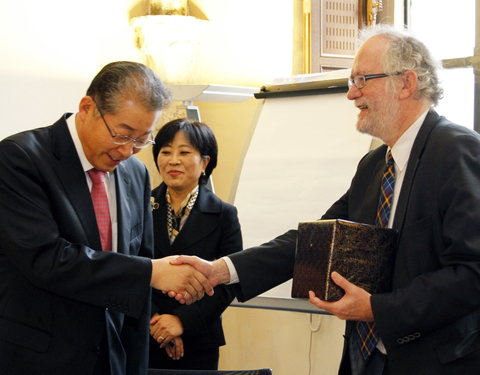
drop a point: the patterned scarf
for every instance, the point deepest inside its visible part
(176, 220)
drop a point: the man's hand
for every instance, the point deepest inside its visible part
(217, 271)
(187, 282)
(354, 305)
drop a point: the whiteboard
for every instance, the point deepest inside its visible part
(302, 156)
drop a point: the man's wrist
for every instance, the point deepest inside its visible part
(220, 271)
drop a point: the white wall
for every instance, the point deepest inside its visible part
(51, 49)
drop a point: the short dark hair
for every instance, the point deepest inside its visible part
(200, 136)
(128, 80)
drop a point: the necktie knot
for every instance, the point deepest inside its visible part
(96, 176)
(390, 160)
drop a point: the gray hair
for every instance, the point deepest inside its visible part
(122, 80)
(405, 52)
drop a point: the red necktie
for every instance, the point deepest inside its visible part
(366, 330)
(101, 207)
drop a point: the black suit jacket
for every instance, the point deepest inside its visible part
(211, 231)
(430, 321)
(64, 305)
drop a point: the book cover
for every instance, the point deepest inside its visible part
(362, 253)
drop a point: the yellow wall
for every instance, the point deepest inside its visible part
(233, 125)
(50, 51)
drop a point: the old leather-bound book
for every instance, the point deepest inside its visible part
(361, 253)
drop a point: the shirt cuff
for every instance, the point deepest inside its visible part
(231, 269)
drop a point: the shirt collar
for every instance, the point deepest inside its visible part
(402, 148)
(71, 123)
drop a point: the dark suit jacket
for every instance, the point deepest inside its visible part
(430, 322)
(211, 231)
(61, 301)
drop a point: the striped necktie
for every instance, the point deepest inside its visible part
(366, 330)
(101, 207)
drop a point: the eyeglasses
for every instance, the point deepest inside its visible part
(361, 81)
(120, 139)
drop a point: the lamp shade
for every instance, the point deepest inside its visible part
(172, 45)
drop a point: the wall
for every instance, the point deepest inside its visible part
(50, 51)
(282, 341)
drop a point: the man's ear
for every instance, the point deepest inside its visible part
(85, 106)
(410, 81)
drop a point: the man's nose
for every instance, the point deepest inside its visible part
(127, 150)
(353, 92)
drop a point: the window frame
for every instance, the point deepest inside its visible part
(462, 62)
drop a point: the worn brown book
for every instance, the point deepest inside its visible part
(361, 253)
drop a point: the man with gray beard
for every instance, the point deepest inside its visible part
(429, 322)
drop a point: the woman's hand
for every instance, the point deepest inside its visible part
(175, 349)
(164, 328)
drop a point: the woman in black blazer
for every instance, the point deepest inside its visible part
(189, 219)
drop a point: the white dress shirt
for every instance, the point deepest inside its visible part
(109, 179)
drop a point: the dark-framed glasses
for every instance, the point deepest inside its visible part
(361, 81)
(120, 139)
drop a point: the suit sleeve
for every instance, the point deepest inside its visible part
(198, 315)
(263, 267)
(260, 268)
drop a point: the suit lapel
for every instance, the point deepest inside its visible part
(365, 187)
(161, 240)
(203, 219)
(371, 200)
(412, 166)
(200, 222)
(122, 183)
(70, 173)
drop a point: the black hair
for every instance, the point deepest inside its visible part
(128, 80)
(200, 136)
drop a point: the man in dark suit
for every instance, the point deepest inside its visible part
(66, 307)
(429, 323)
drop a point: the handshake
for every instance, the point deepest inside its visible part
(188, 278)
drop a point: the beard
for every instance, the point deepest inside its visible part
(381, 117)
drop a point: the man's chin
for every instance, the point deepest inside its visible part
(363, 128)
(368, 129)
(107, 167)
